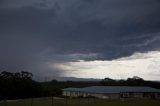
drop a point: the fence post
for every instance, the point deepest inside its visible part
(79, 100)
(94, 100)
(66, 101)
(88, 99)
(52, 100)
(5, 102)
(31, 101)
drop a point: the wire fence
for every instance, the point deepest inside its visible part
(47, 101)
(54, 101)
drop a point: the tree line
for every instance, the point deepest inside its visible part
(21, 85)
(134, 81)
(18, 85)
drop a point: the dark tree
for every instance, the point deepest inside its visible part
(18, 85)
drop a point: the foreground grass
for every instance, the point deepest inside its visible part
(81, 102)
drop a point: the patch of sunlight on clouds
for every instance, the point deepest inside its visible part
(145, 65)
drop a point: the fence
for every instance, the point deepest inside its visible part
(47, 101)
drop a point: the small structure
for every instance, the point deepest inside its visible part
(113, 92)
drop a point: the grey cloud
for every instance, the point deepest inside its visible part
(35, 32)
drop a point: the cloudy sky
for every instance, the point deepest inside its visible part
(81, 38)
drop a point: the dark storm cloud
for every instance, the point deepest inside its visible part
(37, 32)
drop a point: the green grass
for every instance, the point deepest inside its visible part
(82, 102)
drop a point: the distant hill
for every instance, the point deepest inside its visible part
(76, 79)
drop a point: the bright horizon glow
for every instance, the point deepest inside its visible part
(145, 65)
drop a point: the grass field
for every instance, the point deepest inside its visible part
(80, 102)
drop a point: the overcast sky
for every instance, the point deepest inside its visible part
(81, 38)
